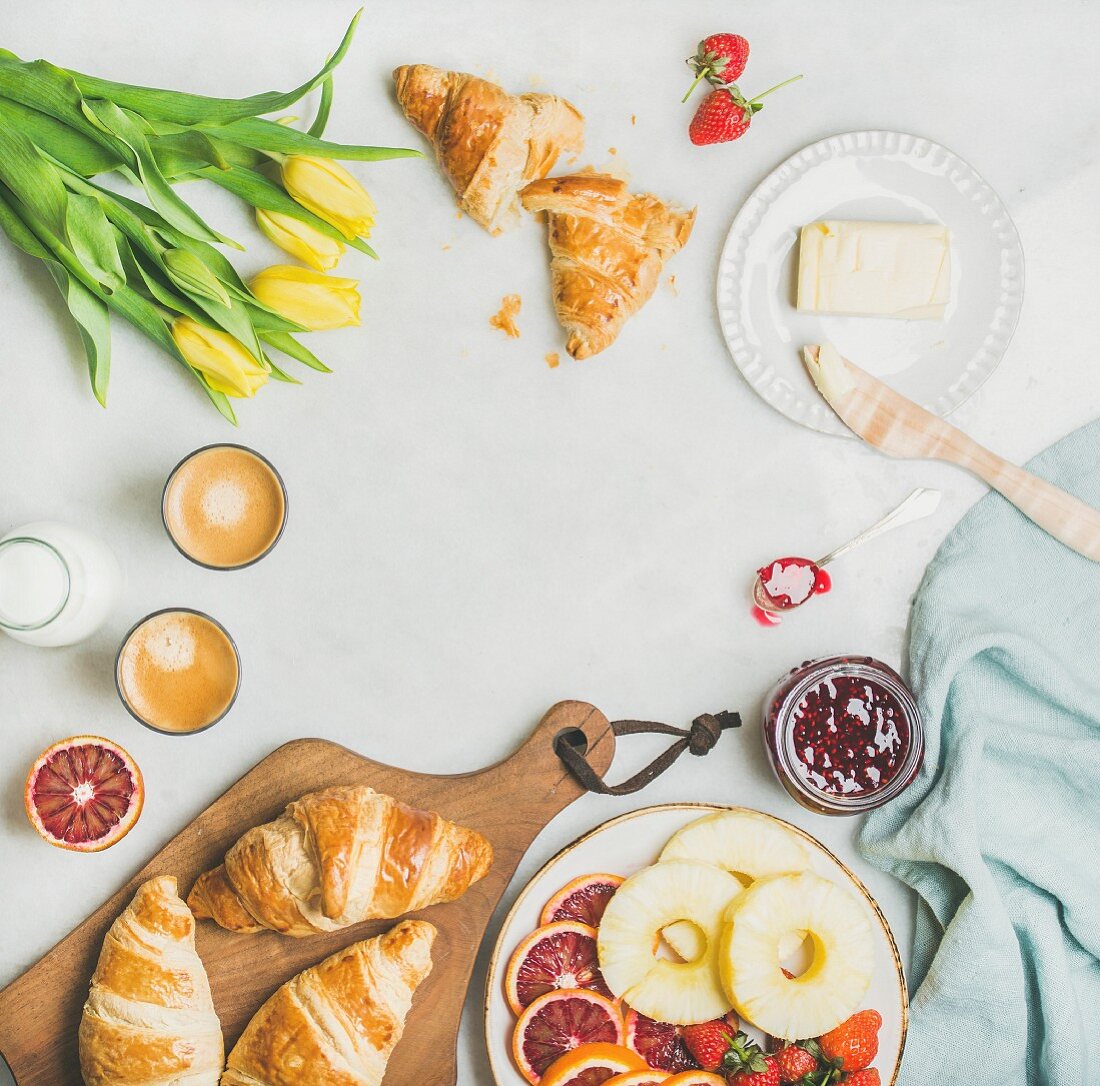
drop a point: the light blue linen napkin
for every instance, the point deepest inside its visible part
(1000, 833)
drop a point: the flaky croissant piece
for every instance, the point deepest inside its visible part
(489, 143)
(149, 1018)
(338, 857)
(337, 1023)
(607, 249)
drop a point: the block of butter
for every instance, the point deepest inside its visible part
(875, 269)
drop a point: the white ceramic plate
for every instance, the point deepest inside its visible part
(883, 176)
(633, 841)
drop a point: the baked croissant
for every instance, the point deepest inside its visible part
(607, 249)
(338, 1023)
(338, 857)
(149, 1019)
(489, 143)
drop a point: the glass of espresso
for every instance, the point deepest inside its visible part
(224, 506)
(178, 671)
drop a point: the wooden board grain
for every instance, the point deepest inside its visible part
(509, 803)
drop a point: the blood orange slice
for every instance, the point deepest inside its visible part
(559, 1022)
(584, 900)
(84, 794)
(591, 1065)
(649, 1077)
(662, 1044)
(561, 955)
(695, 1078)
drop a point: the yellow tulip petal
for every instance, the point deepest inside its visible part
(300, 239)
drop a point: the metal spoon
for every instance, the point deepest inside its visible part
(922, 503)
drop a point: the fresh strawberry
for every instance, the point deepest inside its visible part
(719, 119)
(794, 1062)
(863, 1078)
(725, 114)
(746, 1065)
(720, 59)
(708, 1042)
(854, 1043)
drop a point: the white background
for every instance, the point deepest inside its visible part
(473, 535)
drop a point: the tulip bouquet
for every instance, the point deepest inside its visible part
(155, 263)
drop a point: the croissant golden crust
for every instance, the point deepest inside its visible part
(337, 1023)
(338, 857)
(607, 250)
(149, 1018)
(489, 143)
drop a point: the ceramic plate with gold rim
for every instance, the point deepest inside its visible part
(633, 841)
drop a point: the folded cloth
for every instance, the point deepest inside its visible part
(1000, 833)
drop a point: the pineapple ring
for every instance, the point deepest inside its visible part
(748, 845)
(838, 976)
(681, 993)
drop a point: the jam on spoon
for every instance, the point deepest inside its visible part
(786, 583)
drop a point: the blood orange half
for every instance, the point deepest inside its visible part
(561, 955)
(584, 900)
(649, 1077)
(591, 1065)
(559, 1022)
(84, 794)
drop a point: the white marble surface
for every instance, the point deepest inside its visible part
(473, 535)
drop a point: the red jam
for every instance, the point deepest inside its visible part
(844, 734)
(784, 584)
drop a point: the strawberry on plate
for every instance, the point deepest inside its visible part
(853, 1044)
(720, 59)
(868, 1077)
(708, 1042)
(794, 1062)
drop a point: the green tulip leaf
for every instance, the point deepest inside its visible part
(34, 181)
(189, 273)
(197, 108)
(290, 346)
(94, 324)
(280, 139)
(91, 238)
(164, 199)
(72, 148)
(18, 232)
(323, 109)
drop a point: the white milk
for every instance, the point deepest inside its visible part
(57, 583)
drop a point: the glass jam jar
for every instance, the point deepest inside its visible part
(844, 734)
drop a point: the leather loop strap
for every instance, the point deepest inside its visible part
(700, 739)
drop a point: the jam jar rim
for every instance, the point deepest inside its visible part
(785, 757)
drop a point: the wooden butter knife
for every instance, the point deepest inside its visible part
(898, 427)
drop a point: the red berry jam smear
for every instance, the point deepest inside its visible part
(785, 584)
(851, 735)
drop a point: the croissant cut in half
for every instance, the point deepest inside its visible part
(488, 142)
(336, 858)
(607, 249)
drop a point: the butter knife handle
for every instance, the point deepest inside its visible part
(1061, 515)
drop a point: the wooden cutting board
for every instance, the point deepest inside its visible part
(509, 803)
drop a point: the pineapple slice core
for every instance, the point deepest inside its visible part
(680, 992)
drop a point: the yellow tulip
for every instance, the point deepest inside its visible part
(300, 239)
(225, 362)
(329, 191)
(312, 299)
